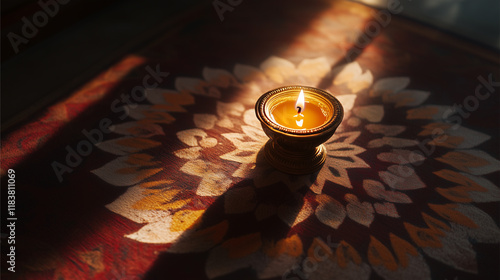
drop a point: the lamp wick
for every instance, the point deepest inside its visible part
(299, 109)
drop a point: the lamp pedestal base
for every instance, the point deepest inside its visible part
(296, 162)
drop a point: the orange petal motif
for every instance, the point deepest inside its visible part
(455, 194)
(346, 253)
(402, 248)
(319, 250)
(240, 247)
(140, 174)
(423, 237)
(200, 240)
(439, 227)
(422, 113)
(175, 101)
(141, 159)
(378, 254)
(94, 259)
(448, 212)
(460, 179)
(186, 219)
(161, 199)
(462, 161)
(291, 245)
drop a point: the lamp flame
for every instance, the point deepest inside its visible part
(299, 105)
(300, 102)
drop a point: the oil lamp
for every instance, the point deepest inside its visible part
(298, 120)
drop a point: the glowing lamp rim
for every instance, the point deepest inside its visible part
(333, 121)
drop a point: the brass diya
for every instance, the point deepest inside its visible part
(298, 148)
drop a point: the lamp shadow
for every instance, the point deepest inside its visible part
(254, 218)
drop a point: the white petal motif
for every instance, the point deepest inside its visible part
(295, 212)
(342, 155)
(455, 137)
(204, 121)
(386, 130)
(486, 231)
(196, 86)
(123, 205)
(189, 153)
(400, 156)
(156, 232)
(389, 85)
(347, 101)
(128, 170)
(230, 109)
(219, 77)
(401, 177)
(360, 212)
(376, 190)
(248, 74)
(278, 69)
(456, 251)
(475, 162)
(393, 142)
(386, 209)
(491, 193)
(169, 100)
(371, 113)
(213, 182)
(351, 74)
(155, 95)
(250, 118)
(329, 211)
(190, 137)
(314, 69)
(407, 97)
